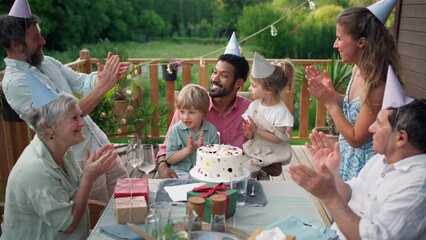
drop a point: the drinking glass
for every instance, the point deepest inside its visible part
(133, 153)
(148, 158)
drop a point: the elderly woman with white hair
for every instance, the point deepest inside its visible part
(47, 192)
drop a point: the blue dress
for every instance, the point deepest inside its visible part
(353, 159)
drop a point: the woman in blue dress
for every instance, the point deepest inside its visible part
(364, 41)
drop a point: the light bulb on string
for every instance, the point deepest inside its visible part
(129, 76)
(274, 31)
(119, 131)
(312, 5)
(103, 114)
(123, 121)
(130, 108)
(202, 62)
(129, 92)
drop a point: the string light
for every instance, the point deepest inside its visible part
(202, 62)
(312, 5)
(274, 31)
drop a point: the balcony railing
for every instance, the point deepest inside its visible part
(86, 62)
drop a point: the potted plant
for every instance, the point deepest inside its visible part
(170, 68)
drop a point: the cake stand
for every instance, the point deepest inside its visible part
(195, 175)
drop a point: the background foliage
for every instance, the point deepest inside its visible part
(67, 25)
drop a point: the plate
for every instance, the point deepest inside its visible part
(193, 173)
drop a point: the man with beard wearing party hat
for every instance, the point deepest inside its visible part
(20, 35)
(387, 200)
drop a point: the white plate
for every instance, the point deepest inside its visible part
(193, 173)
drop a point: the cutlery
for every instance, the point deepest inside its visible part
(252, 194)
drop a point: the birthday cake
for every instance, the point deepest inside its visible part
(217, 162)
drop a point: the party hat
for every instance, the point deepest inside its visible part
(41, 93)
(394, 94)
(261, 68)
(233, 47)
(20, 9)
(382, 9)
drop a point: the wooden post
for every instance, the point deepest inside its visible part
(87, 67)
(186, 73)
(154, 95)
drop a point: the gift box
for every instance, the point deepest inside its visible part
(211, 189)
(130, 210)
(131, 187)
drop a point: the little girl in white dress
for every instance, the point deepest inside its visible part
(267, 119)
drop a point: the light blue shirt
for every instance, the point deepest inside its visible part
(178, 140)
(39, 197)
(61, 78)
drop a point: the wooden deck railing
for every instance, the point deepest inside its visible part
(85, 63)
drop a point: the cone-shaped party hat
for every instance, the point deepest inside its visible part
(382, 9)
(233, 47)
(261, 68)
(394, 94)
(41, 93)
(20, 9)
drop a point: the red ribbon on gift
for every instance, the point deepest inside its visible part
(209, 190)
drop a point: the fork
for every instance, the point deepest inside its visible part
(252, 194)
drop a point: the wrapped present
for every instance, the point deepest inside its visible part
(131, 187)
(212, 189)
(130, 209)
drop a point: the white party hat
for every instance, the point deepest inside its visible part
(233, 47)
(261, 68)
(382, 9)
(20, 9)
(394, 94)
(41, 93)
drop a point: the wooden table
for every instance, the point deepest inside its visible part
(285, 198)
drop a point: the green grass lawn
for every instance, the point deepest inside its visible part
(174, 48)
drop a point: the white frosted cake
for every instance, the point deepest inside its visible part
(217, 162)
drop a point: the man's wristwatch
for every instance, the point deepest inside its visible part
(163, 161)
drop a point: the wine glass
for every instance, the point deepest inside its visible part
(148, 158)
(133, 153)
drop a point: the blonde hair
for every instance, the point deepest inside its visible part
(282, 77)
(193, 95)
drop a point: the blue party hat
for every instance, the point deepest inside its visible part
(20, 9)
(233, 47)
(382, 9)
(261, 67)
(41, 93)
(394, 93)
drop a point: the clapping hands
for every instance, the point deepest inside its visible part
(191, 146)
(320, 85)
(100, 161)
(249, 127)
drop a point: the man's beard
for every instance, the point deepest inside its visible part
(221, 91)
(36, 58)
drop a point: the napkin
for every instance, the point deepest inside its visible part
(271, 234)
(303, 229)
(163, 196)
(120, 232)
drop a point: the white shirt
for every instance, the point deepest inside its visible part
(390, 198)
(278, 115)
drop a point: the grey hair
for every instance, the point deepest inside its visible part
(53, 113)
